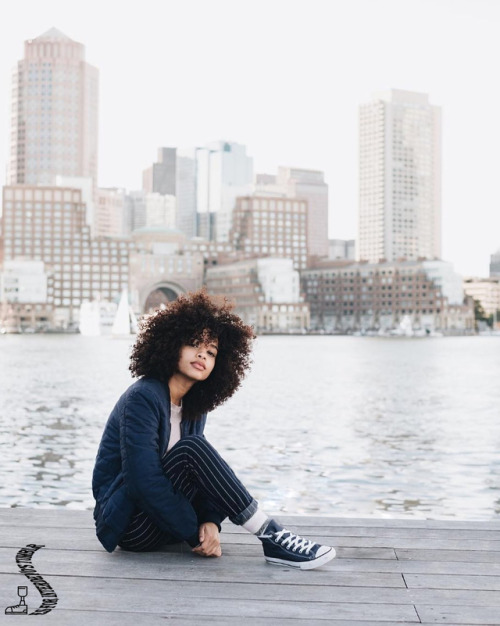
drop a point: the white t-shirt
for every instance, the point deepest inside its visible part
(175, 425)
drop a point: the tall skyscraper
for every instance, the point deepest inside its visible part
(309, 185)
(399, 177)
(185, 192)
(54, 112)
(160, 177)
(224, 172)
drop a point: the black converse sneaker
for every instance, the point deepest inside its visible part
(282, 547)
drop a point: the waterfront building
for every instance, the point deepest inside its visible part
(135, 210)
(495, 264)
(266, 293)
(267, 185)
(268, 226)
(160, 210)
(109, 213)
(486, 291)
(24, 287)
(143, 209)
(214, 252)
(86, 186)
(162, 267)
(54, 112)
(309, 185)
(48, 224)
(160, 177)
(399, 177)
(347, 296)
(341, 249)
(23, 281)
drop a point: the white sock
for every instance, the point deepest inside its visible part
(256, 522)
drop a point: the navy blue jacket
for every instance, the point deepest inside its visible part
(128, 475)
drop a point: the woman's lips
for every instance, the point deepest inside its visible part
(197, 365)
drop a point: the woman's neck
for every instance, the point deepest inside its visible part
(178, 386)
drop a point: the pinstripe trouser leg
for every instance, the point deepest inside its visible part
(193, 466)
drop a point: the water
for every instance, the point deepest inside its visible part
(322, 425)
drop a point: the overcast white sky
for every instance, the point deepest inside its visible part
(285, 77)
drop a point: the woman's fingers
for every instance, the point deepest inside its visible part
(209, 549)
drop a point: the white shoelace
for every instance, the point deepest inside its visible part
(293, 542)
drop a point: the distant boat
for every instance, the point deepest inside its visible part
(405, 328)
(96, 318)
(90, 319)
(125, 322)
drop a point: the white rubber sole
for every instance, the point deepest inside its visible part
(321, 560)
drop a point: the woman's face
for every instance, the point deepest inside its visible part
(197, 360)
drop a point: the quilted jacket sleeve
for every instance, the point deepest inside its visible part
(144, 478)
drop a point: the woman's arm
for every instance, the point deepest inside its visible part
(144, 478)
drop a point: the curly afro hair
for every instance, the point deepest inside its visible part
(194, 317)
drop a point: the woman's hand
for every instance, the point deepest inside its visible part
(209, 540)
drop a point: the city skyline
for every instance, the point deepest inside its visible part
(310, 124)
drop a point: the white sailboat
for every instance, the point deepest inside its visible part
(405, 328)
(125, 322)
(96, 317)
(90, 319)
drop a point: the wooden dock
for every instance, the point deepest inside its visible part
(387, 572)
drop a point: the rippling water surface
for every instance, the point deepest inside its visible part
(326, 425)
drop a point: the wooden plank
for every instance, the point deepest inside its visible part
(371, 522)
(384, 531)
(459, 615)
(463, 556)
(484, 583)
(416, 542)
(421, 542)
(63, 617)
(61, 538)
(57, 517)
(443, 597)
(415, 567)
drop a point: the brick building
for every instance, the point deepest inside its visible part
(346, 296)
(266, 293)
(264, 226)
(48, 224)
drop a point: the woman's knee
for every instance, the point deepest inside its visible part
(194, 442)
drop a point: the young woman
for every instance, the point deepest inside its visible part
(156, 477)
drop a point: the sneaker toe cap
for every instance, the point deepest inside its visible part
(322, 550)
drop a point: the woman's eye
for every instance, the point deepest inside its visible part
(211, 354)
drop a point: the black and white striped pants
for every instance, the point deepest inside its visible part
(193, 466)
